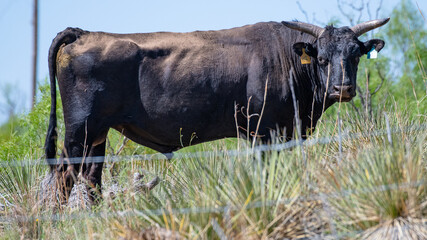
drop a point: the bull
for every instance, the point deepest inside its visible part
(166, 90)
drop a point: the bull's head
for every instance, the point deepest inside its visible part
(336, 51)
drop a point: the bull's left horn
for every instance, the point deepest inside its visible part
(311, 29)
(364, 27)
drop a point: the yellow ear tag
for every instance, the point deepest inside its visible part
(305, 59)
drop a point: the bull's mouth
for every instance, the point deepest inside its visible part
(340, 98)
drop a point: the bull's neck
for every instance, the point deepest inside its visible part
(310, 90)
(308, 81)
(308, 85)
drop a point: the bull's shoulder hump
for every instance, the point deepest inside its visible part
(238, 35)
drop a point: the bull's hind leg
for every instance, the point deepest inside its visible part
(93, 172)
(77, 146)
(69, 167)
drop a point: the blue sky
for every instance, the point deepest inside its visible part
(128, 16)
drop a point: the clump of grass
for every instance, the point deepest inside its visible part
(244, 195)
(381, 181)
(19, 195)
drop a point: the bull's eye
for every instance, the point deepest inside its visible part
(322, 60)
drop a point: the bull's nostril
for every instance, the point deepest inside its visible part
(344, 88)
(337, 88)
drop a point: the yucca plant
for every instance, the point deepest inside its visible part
(246, 197)
(19, 195)
(382, 182)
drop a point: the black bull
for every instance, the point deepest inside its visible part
(166, 90)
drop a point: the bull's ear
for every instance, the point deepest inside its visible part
(378, 44)
(309, 49)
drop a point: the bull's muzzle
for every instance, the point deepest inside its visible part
(343, 93)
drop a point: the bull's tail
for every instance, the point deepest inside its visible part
(67, 36)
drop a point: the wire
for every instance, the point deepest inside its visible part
(207, 154)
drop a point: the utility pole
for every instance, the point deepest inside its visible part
(35, 51)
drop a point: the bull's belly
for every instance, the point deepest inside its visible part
(168, 135)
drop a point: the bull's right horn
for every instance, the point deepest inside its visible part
(364, 27)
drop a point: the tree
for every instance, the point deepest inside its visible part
(11, 100)
(406, 35)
